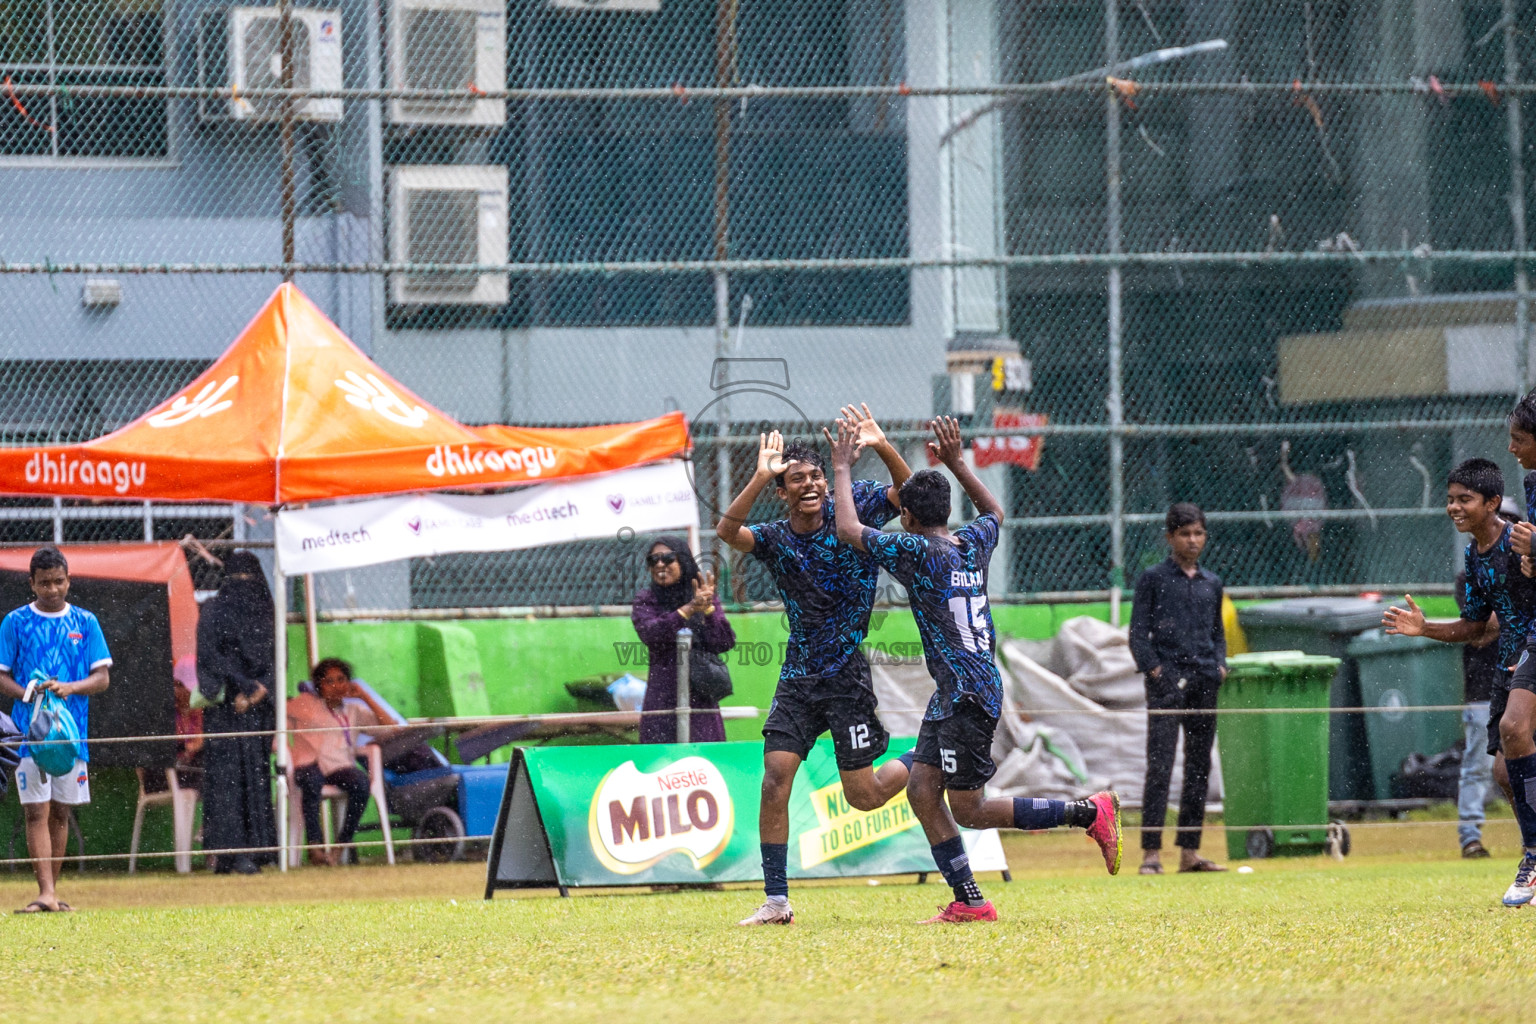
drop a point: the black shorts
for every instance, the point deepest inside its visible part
(1522, 678)
(960, 746)
(842, 703)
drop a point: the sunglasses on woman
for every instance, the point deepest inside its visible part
(661, 559)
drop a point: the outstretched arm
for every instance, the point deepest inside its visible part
(846, 447)
(732, 527)
(869, 435)
(950, 450)
(1411, 622)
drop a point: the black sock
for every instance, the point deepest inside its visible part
(955, 865)
(1080, 813)
(1032, 814)
(775, 873)
(906, 758)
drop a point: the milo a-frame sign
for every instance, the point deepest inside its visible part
(670, 814)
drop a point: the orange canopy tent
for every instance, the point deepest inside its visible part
(294, 411)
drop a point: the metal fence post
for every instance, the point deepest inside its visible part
(725, 75)
(1517, 198)
(684, 696)
(285, 30)
(1115, 405)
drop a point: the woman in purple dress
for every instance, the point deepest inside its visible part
(679, 595)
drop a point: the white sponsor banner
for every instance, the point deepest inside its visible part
(644, 500)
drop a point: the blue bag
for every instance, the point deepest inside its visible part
(53, 735)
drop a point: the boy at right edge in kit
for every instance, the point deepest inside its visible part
(62, 645)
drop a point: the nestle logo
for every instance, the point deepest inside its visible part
(616, 502)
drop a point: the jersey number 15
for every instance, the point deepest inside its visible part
(971, 621)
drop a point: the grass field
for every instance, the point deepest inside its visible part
(1402, 930)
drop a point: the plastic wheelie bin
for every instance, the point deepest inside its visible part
(1325, 626)
(1406, 671)
(1274, 767)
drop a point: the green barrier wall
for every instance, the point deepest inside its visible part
(524, 664)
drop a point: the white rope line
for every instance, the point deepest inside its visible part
(448, 840)
(246, 850)
(381, 731)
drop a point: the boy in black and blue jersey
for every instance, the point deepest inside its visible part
(1516, 724)
(828, 589)
(946, 579)
(1494, 586)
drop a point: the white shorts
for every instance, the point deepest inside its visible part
(36, 788)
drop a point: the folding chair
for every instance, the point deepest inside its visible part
(182, 801)
(330, 796)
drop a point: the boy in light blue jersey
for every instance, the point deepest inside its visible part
(62, 645)
(946, 579)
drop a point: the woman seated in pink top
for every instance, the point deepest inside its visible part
(328, 755)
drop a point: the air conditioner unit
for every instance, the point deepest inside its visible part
(452, 45)
(253, 48)
(448, 214)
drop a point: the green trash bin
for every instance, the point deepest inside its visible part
(1274, 767)
(1325, 626)
(1406, 671)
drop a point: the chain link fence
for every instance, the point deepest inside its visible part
(1269, 257)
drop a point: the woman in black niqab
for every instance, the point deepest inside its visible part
(235, 670)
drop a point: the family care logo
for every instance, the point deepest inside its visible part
(419, 524)
(637, 818)
(841, 828)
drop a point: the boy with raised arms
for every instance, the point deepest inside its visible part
(828, 589)
(946, 579)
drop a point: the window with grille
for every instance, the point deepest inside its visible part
(73, 43)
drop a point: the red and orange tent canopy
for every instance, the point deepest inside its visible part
(293, 411)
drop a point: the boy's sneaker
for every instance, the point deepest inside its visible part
(1523, 887)
(770, 914)
(1105, 829)
(959, 912)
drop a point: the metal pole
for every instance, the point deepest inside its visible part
(684, 695)
(311, 623)
(725, 74)
(1115, 403)
(285, 29)
(280, 696)
(1517, 198)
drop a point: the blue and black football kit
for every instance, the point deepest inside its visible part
(1495, 585)
(1485, 572)
(828, 589)
(946, 582)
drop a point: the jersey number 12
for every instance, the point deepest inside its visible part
(970, 620)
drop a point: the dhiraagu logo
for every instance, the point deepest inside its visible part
(842, 828)
(638, 818)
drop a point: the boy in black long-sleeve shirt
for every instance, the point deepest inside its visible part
(1179, 645)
